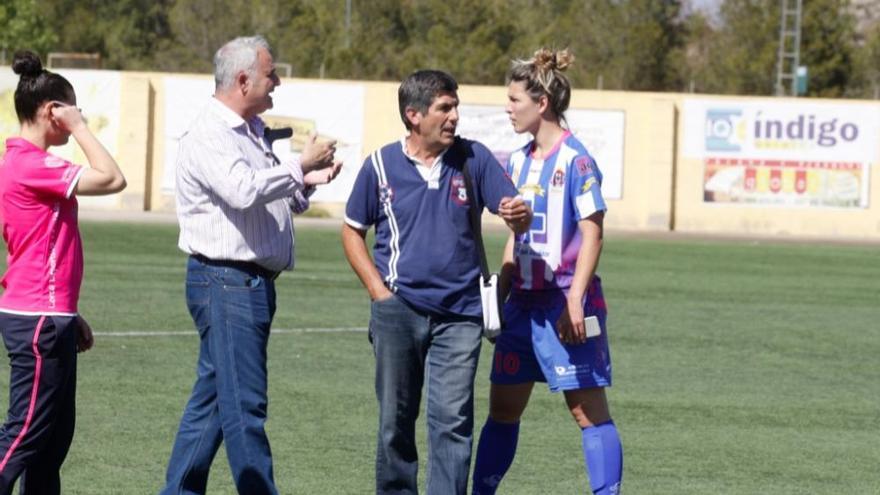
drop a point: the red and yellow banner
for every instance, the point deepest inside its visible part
(761, 181)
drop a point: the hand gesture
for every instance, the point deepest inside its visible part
(515, 213)
(570, 325)
(323, 176)
(65, 116)
(84, 337)
(317, 154)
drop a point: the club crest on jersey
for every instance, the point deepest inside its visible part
(386, 194)
(558, 179)
(535, 189)
(583, 165)
(458, 191)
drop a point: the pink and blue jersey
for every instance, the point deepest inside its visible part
(562, 188)
(38, 211)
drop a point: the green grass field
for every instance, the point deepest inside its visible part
(739, 367)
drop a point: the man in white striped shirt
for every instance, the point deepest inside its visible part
(234, 203)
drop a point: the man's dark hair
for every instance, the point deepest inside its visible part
(36, 86)
(419, 90)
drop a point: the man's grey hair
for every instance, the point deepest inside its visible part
(237, 55)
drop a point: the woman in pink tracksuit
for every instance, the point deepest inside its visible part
(39, 321)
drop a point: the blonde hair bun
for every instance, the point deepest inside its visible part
(546, 60)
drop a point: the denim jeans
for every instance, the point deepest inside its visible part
(410, 349)
(232, 308)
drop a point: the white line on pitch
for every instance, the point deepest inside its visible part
(177, 333)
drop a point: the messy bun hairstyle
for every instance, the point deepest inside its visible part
(543, 76)
(37, 86)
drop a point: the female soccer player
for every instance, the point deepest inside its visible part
(550, 271)
(38, 315)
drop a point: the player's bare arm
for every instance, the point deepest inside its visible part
(570, 326)
(354, 244)
(508, 268)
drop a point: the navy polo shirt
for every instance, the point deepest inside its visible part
(425, 250)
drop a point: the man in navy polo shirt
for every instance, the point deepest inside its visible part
(425, 322)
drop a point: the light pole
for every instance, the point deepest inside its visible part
(347, 24)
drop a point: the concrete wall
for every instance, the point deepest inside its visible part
(662, 188)
(692, 214)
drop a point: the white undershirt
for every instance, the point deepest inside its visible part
(430, 174)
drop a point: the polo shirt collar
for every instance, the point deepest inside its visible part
(416, 160)
(22, 143)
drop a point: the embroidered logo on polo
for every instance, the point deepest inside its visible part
(458, 191)
(386, 194)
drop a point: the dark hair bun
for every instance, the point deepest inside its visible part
(27, 64)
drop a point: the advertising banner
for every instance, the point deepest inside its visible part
(332, 110)
(783, 153)
(601, 131)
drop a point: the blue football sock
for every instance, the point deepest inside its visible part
(604, 458)
(494, 455)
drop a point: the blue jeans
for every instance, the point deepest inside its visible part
(232, 308)
(411, 348)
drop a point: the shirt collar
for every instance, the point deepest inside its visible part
(232, 119)
(235, 121)
(416, 160)
(22, 143)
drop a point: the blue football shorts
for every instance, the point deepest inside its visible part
(529, 349)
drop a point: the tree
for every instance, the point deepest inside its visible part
(694, 57)
(743, 56)
(470, 38)
(24, 28)
(625, 43)
(653, 45)
(867, 62)
(827, 48)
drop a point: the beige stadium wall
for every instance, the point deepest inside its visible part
(662, 189)
(377, 126)
(155, 198)
(135, 136)
(131, 140)
(692, 214)
(649, 143)
(648, 154)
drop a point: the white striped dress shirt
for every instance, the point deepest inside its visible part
(233, 202)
